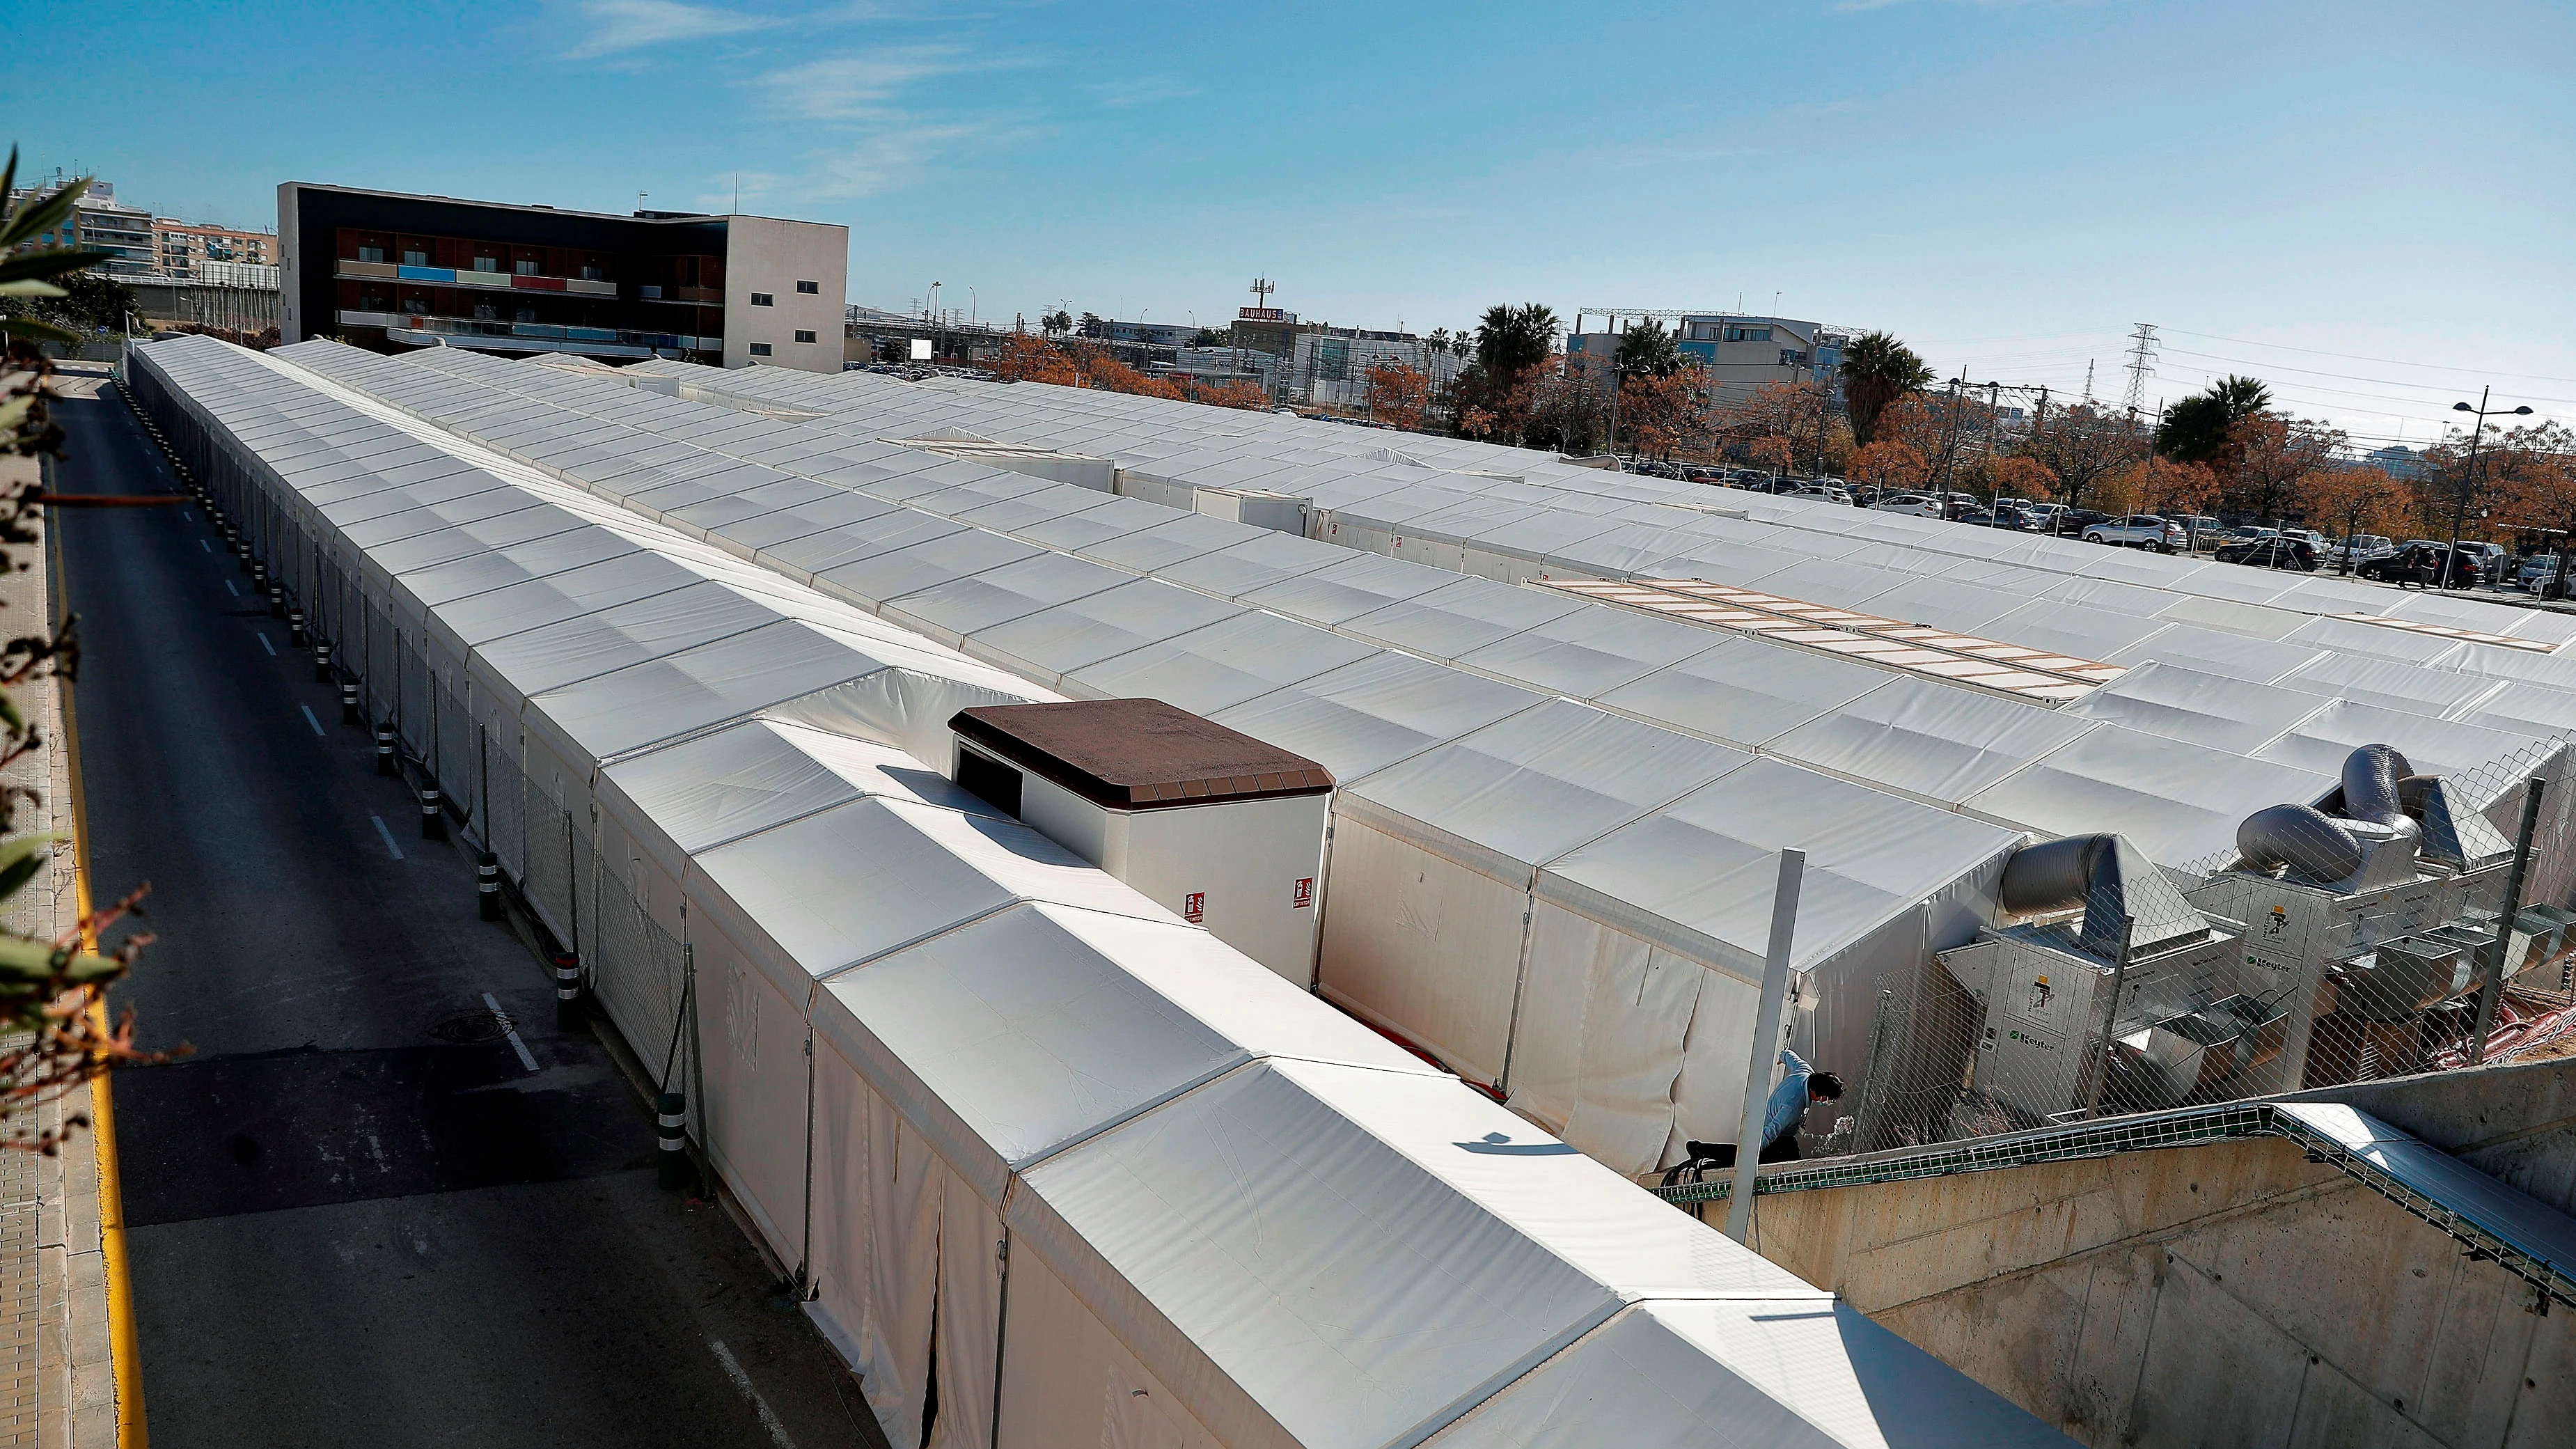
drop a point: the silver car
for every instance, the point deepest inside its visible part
(2140, 530)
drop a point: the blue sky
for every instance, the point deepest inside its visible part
(2009, 186)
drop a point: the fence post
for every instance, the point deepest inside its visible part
(2491, 990)
(1766, 1042)
(2111, 1015)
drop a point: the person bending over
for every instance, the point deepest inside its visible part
(1802, 1088)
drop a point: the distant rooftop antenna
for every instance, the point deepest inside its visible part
(2142, 363)
(1262, 287)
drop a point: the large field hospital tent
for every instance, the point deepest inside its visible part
(1955, 748)
(1051, 1165)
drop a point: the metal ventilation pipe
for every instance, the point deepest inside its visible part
(2370, 776)
(2326, 847)
(2051, 875)
(2302, 837)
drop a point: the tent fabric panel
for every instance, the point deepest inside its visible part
(1241, 1213)
(1422, 946)
(1363, 717)
(1599, 1044)
(1928, 739)
(1737, 1373)
(1066, 1379)
(1543, 781)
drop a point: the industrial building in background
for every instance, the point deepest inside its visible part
(391, 271)
(1738, 353)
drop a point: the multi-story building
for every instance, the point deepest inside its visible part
(390, 270)
(98, 220)
(1153, 334)
(185, 248)
(1738, 353)
(1328, 366)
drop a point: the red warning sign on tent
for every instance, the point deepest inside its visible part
(1304, 895)
(1194, 907)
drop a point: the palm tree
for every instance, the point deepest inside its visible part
(1647, 350)
(1876, 371)
(2196, 429)
(1512, 340)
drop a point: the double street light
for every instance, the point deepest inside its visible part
(2469, 473)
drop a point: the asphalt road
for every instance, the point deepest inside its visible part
(351, 1222)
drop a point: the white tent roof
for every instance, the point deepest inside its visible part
(1928, 739)
(1358, 1255)
(1537, 784)
(1729, 1372)
(1367, 715)
(1709, 862)
(1031, 1028)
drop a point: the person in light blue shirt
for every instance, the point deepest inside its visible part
(1800, 1089)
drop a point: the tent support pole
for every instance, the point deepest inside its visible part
(1766, 1042)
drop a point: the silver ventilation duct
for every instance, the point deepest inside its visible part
(2112, 880)
(2367, 831)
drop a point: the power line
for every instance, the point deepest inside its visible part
(2345, 376)
(2358, 357)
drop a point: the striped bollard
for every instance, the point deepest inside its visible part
(349, 711)
(385, 764)
(321, 661)
(433, 822)
(567, 991)
(295, 629)
(276, 600)
(672, 1161)
(487, 885)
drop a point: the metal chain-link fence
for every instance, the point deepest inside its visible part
(2345, 941)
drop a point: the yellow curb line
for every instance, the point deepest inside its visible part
(124, 1344)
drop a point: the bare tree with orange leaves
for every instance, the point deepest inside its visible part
(1398, 395)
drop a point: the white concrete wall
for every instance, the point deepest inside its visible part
(765, 254)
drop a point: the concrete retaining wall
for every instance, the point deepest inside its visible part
(2229, 1294)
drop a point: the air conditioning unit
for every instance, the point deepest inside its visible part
(1221, 829)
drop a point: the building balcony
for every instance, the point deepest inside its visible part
(420, 331)
(463, 277)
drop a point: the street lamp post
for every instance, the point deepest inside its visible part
(2469, 473)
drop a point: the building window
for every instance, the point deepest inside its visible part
(810, 289)
(804, 336)
(1748, 334)
(527, 314)
(1704, 331)
(762, 299)
(760, 349)
(593, 272)
(487, 264)
(414, 258)
(524, 268)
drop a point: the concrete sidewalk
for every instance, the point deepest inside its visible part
(57, 1380)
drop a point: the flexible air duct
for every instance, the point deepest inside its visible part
(2370, 776)
(2307, 840)
(2112, 879)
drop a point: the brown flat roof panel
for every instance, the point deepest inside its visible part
(1136, 754)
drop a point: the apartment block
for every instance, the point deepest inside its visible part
(390, 270)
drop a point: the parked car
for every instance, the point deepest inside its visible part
(1921, 505)
(2351, 551)
(2138, 530)
(1822, 493)
(2072, 522)
(2294, 548)
(2536, 572)
(2043, 516)
(2494, 565)
(2419, 561)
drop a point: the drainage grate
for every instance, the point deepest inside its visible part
(474, 1026)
